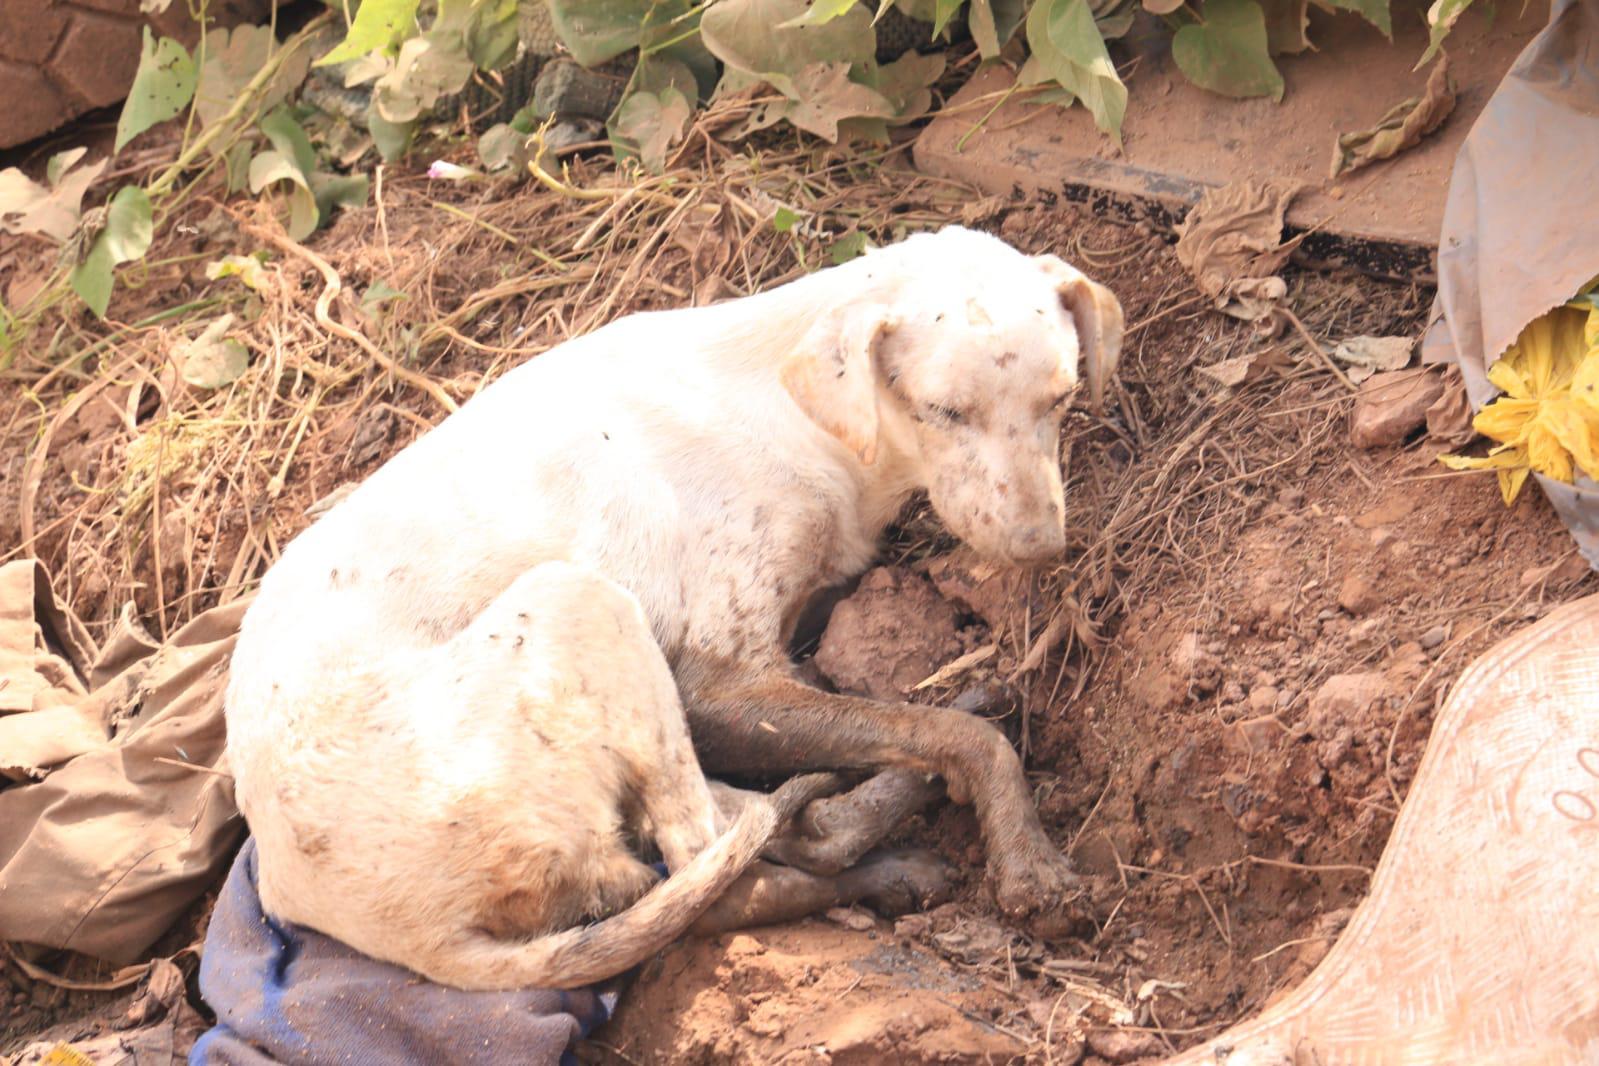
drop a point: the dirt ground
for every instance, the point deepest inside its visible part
(1221, 692)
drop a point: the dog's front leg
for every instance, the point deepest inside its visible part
(770, 722)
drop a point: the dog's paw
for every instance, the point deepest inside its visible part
(1039, 888)
(900, 882)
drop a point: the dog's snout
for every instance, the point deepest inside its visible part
(1040, 542)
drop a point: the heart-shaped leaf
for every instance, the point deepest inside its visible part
(378, 24)
(820, 11)
(229, 60)
(1227, 53)
(162, 86)
(1441, 18)
(28, 207)
(276, 171)
(1068, 50)
(1375, 12)
(126, 236)
(649, 123)
(212, 360)
(994, 22)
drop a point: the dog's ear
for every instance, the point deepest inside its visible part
(833, 378)
(1097, 315)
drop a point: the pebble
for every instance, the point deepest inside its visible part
(1434, 637)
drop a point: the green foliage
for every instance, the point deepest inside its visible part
(125, 236)
(1441, 18)
(162, 87)
(1068, 51)
(289, 170)
(379, 26)
(1227, 51)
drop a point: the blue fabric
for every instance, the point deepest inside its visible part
(283, 993)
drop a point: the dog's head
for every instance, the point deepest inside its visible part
(961, 355)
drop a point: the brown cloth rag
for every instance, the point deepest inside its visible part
(113, 819)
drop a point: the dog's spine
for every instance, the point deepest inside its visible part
(593, 953)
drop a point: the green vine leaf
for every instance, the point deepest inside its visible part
(126, 236)
(994, 22)
(1286, 24)
(648, 124)
(1375, 12)
(378, 25)
(1068, 50)
(819, 12)
(943, 11)
(162, 87)
(1441, 18)
(1227, 53)
(230, 59)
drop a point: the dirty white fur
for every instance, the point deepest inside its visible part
(452, 700)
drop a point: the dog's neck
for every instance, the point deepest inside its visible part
(764, 329)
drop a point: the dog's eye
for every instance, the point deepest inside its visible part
(937, 412)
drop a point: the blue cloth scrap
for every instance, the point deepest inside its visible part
(283, 993)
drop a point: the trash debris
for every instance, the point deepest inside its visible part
(1366, 356)
(1547, 419)
(281, 991)
(1392, 406)
(1449, 418)
(127, 742)
(159, 1027)
(1242, 369)
(1518, 239)
(1231, 242)
(1402, 127)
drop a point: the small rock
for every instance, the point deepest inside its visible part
(1232, 692)
(1253, 735)
(1357, 595)
(1123, 1045)
(1344, 698)
(1434, 637)
(1263, 699)
(850, 918)
(1393, 405)
(1291, 497)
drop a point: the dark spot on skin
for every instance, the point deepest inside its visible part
(521, 616)
(1004, 360)
(604, 434)
(494, 636)
(542, 738)
(520, 640)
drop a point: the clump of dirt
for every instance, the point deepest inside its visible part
(891, 635)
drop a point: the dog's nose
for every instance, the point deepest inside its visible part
(1038, 543)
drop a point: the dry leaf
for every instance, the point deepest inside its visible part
(1402, 127)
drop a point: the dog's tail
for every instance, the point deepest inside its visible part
(587, 955)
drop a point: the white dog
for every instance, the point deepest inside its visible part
(453, 699)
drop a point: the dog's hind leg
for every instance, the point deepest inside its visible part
(891, 883)
(832, 834)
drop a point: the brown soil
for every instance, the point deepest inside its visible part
(1221, 693)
